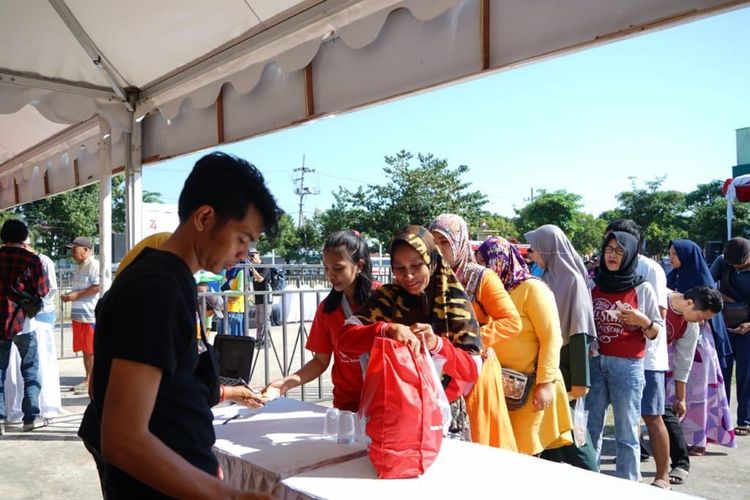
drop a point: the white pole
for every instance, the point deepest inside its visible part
(105, 206)
(133, 185)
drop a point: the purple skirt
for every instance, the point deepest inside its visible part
(708, 418)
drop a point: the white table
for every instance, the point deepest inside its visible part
(465, 471)
(261, 447)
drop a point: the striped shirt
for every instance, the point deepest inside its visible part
(86, 275)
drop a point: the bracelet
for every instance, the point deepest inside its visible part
(221, 394)
(649, 326)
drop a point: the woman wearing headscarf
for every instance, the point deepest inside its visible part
(495, 311)
(544, 421)
(492, 305)
(567, 277)
(426, 303)
(707, 417)
(626, 313)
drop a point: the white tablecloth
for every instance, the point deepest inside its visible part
(465, 471)
(261, 447)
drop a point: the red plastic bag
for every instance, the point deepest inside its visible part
(401, 410)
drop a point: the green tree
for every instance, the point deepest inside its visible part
(661, 214)
(56, 220)
(588, 233)
(412, 194)
(703, 195)
(293, 244)
(560, 208)
(708, 209)
(499, 225)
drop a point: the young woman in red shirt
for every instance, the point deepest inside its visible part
(347, 264)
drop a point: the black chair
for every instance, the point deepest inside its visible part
(236, 355)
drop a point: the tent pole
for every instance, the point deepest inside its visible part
(133, 184)
(105, 206)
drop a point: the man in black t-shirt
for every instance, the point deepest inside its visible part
(154, 379)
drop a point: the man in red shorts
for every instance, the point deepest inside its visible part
(84, 296)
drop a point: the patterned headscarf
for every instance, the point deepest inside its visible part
(443, 304)
(504, 258)
(454, 229)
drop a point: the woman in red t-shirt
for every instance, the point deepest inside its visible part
(626, 313)
(347, 264)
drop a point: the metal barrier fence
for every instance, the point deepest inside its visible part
(288, 322)
(287, 329)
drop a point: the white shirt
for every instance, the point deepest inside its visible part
(49, 270)
(656, 358)
(85, 276)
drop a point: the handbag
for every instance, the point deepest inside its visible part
(30, 303)
(735, 313)
(517, 387)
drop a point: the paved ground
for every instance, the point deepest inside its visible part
(51, 462)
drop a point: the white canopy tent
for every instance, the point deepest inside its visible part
(89, 88)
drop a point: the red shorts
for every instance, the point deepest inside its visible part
(83, 337)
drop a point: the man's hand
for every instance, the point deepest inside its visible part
(70, 297)
(680, 408)
(242, 396)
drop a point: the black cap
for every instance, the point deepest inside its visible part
(81, 241)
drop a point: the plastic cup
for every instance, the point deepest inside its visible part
(359, 429)
(331, 424)
(346, 428)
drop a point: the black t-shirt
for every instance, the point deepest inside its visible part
(149, 316)
(262, 286)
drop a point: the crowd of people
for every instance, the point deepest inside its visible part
(655, 347)
(28, 315)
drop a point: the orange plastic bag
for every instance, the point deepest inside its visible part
(486, 408)
(400, 408)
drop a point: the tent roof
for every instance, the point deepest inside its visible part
(192, 74)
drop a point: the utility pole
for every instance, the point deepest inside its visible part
(300, 189)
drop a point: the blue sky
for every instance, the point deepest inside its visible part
(666, 103)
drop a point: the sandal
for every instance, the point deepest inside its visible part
(678, 475)
(742, 430)
(660, 483)
(696, 451)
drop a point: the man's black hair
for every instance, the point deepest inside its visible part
(705, 298)
(356, 249)
(14, 231)
(229, 185)
(627, 226)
